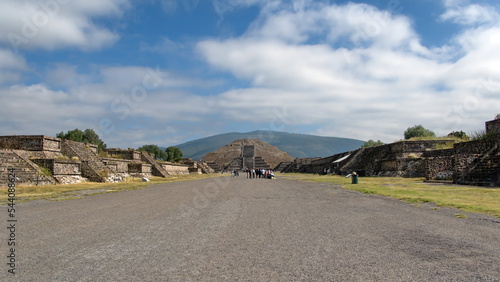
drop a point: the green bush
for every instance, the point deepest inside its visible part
(418, 131)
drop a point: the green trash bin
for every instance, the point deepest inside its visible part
(354, 178)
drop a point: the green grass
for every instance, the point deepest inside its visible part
(414, 190)
(74, 191)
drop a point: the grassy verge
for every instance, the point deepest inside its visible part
(75, 191)
(414, 190)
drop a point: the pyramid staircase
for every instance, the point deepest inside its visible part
(248, 156)
(214, 166)
(260, 163)
(282, 166)
(25, 170)
(205, 168)
(289, 168)
(484, 170)
(157, 169)
(92, 166)
(236, 164)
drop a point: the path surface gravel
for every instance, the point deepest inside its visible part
(238, 229)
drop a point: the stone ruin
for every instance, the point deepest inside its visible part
(40, 160)
(246, 154)
(47, 160)
(403, 158)
(469, 163)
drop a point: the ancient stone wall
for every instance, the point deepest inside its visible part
(320, 165)
(439, 164)
(195, 170)
(30, 143)
(175, 169)
(124, 154)
(140, 168)
(301, 165)
(396, 159)
(493, 126)
(366, 161)
(93, 148)
(60, 167)
(66, 167)
(119, 165)
(477, 163)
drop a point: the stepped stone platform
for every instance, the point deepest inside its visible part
(246, 154)
(25, 170)
(92, 165)
(39, 160)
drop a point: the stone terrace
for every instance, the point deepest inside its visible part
(39, 159)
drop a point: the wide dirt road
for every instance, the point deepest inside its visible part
(233, 229)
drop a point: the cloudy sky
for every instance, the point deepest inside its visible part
(168, 71)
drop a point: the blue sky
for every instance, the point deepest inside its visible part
(165, 71)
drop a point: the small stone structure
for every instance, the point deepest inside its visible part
(64, 171)
(124, 154)
(140, 169)
(197, 167)
(175, 169)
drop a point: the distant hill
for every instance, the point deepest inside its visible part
(297, 145)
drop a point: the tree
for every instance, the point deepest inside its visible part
(73, 135)
(497, 116)
(418, 131)
(87, 136)
(154, 150)
(458, 134)
(174, 154)
(372, 143)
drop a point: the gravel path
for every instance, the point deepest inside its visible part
(238, 229)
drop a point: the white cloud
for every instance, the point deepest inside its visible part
(36, 109)
(460, 13)
(11, 66)
(57, 23)
(113, 101)
(360, 24)
(385, 82)
(345, 70)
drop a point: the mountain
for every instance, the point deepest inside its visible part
(297, 145)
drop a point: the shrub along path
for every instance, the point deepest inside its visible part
(249, 229)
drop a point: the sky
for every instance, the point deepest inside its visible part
(169, 71)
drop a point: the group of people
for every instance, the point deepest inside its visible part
(260, 173)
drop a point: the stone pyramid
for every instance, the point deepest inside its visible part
(247, 154)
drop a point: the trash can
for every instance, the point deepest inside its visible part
(354, 178)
